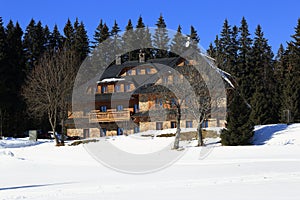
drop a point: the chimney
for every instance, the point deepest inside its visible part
(141, 57)
(118, 59)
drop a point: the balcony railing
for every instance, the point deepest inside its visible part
(109, 116)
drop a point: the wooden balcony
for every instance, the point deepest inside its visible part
(96, 116)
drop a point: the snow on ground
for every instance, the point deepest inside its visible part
(268, 170)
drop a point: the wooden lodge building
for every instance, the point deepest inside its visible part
(125, 104)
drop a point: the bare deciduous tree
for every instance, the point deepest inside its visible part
(48, 87)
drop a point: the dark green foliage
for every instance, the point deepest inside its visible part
(129, 40)
(34, 43)
(143, 39)
(69, 35)
(264, 103)
(56, 40)
(244, 59)
(161, 39)
(81, 41)
(178, 44)
(194, 39)
(291, 88)
(239, 129)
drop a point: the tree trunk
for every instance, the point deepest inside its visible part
(199, 132)
(62, 140)
(177, 137)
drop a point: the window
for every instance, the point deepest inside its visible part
(102, 132)
(129, 72)
(103, 108)
(104, 89)
(173, 125)
(138, 71)
(189, 124)
(159, 126)
(205, 124)
(127, 87)
(85, 112)
(165, 79)
(158, 102)
(117, 88)
(136, 129)
(86, 133)
(148, 70)
(173, 102)
(136, 108)
(175, 79)
(120, 131)
(119, 107)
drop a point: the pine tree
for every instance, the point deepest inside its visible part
(34, 43)
(291, 91)
(279, 76)
(115, 39)
(3, 86)
(265, 107)
(178, 44)
(69, 35)
(244, 58)
(81, 41)
(14, 77)
(161, 39)
(97, 34)
(194, 39)
(56, 39)
(224, 45)
(2, 40)
(239, 129)
(143, 38)
(129, 42)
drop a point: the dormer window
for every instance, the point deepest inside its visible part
(104, 89)
(117, 88)
(127, 87)
(129, 72)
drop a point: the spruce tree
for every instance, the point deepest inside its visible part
(279, 76)
(161, 39)
(291, 91)
(56, 39)
(239, 128)
(129, 42)
(14, 78)
(264, 105)
(97, 35)
(115, 39)
(69, 35)
(81, 41)
(143, 38)
(178, 44)
(194, 39)
(34, 43)
(244, 59)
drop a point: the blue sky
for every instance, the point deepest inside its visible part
(277, 18)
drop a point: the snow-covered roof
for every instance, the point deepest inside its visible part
(106, 80)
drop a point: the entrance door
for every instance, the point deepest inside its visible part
(173, 125)
(102, 132)
(159, 125)
(86, 133)
(120, 131)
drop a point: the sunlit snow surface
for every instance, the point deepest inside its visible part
(270, 169)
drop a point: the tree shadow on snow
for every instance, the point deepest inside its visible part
(34, 186)
(262, 135)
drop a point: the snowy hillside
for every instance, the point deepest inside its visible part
(268, 170)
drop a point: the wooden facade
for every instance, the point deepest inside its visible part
(118, 115)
